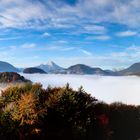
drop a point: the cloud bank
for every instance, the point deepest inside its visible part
(108, 89)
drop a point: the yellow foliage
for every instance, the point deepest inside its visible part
(26, 111)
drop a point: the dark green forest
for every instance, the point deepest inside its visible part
(29, 112)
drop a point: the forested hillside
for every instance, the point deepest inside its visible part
(30, 112)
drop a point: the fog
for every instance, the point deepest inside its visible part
(109, 89)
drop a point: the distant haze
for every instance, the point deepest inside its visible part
(109, 89)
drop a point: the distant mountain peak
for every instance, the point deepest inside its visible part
(50, 63)
(50, 67)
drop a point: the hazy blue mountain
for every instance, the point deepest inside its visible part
(32, 70)
(51, 67)
(132, 70)
(112, 73)
(6, 67)
(84, 69)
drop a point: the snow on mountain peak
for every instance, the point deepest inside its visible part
(50, 66)
(51, 63)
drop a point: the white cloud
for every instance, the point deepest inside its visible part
(95, 29)
(86, 52)
(68, 48)
(62, 41)
(46, 34)
(126, 33)
(59, 48)
(100, 37)
(9, 38)
(28, 46)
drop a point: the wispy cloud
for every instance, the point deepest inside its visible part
(134, 48)
(28, 46)
(126, 33)
(9, 38)
(62, 41)
(95, 29)
(99, 37)
(86, 52)
(58, 48)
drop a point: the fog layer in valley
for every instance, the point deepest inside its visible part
(106, 88)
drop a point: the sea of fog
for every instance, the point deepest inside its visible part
(109, 89)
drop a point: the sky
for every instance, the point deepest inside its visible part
(98, 33)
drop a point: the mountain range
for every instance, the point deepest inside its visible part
(53, 68)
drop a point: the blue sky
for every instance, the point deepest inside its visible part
(99, 33)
